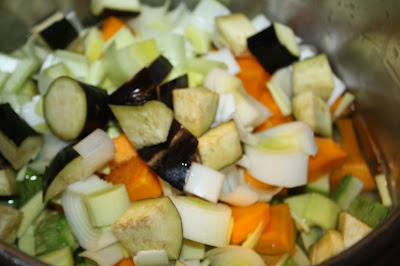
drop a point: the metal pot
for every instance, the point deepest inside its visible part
(362, 41)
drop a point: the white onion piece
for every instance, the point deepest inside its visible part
(253, 238)
(234, 255)
(224, 56)
(234, 191)
(280, 86)
(8, 64)
(260, 22)
(51, 146)
(296, 136)
(88, 237)
(278, 168)
(107, 256)
(307, 51)
(151, 258)
(204, 182)
(203, 221)
(245, 136)
(205, 12)
(96, 149)
(337, 90)
(191, 262)
(225, 110)
(29, 112)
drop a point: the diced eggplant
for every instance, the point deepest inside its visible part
(144, 125)
(10, 219)
(18, 141)
(172, 159)
(274, 47)
(142, 87)
(195, 108)
(73, 109)
(137, 91)
(64, 169)
(121, 6)
(8, 184)
(165, 90)
(159, 69)
(56, 31)
(220, 146)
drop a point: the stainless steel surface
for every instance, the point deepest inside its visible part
(361, 38)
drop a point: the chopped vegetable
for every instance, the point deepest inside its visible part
(111, 26)
(280, 235)
(246, 220)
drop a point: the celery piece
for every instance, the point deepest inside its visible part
(78, 64)
(202, 65)
(105, 206)
(322, 211)
(383, 190)
(199, 38)
(3, 79)
(93, 44)
(96, 73)
(25, 69)
(30, 210)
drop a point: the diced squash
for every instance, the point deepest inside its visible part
(280, 235)
(246, 220)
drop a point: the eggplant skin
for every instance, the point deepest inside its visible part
(4, 164)
(139, 90)
(98, 111)
(172, 159)
(59, 34)
(165, 90)
(13, 126)
(266, 47)
(59, 162)
(159, 69)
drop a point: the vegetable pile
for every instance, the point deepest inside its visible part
(178, 137)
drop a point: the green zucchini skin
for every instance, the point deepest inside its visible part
(266, 47)
(172, 159)
(159, 69)
(59, 162)
(59, 34)
(165, 90)
(139, 90)
(13, 126)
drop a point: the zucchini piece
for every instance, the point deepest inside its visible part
(220, 146)
(308, 239)
(280, 87)
(274, 47)
(347, 190)
(30, 211)
(368, 211)
(235, 29)
(192, 250)
(64, 169)
(322, 211)
(383, 190)
(123, 6)
(195, 108)
(73, 109)
(165, 90)
(313, 74)
(53, 233)
(144, 125)
(352, 229)
(150, 224)
(29, 183)
(330, 244)
(234, 255)
(151, 257)
(56, 31)
(18, 141)
(310, 108)
(63, 255)
(172, 159)
(10, 220)
(321, 185)
(8, 184)
(106, 206)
